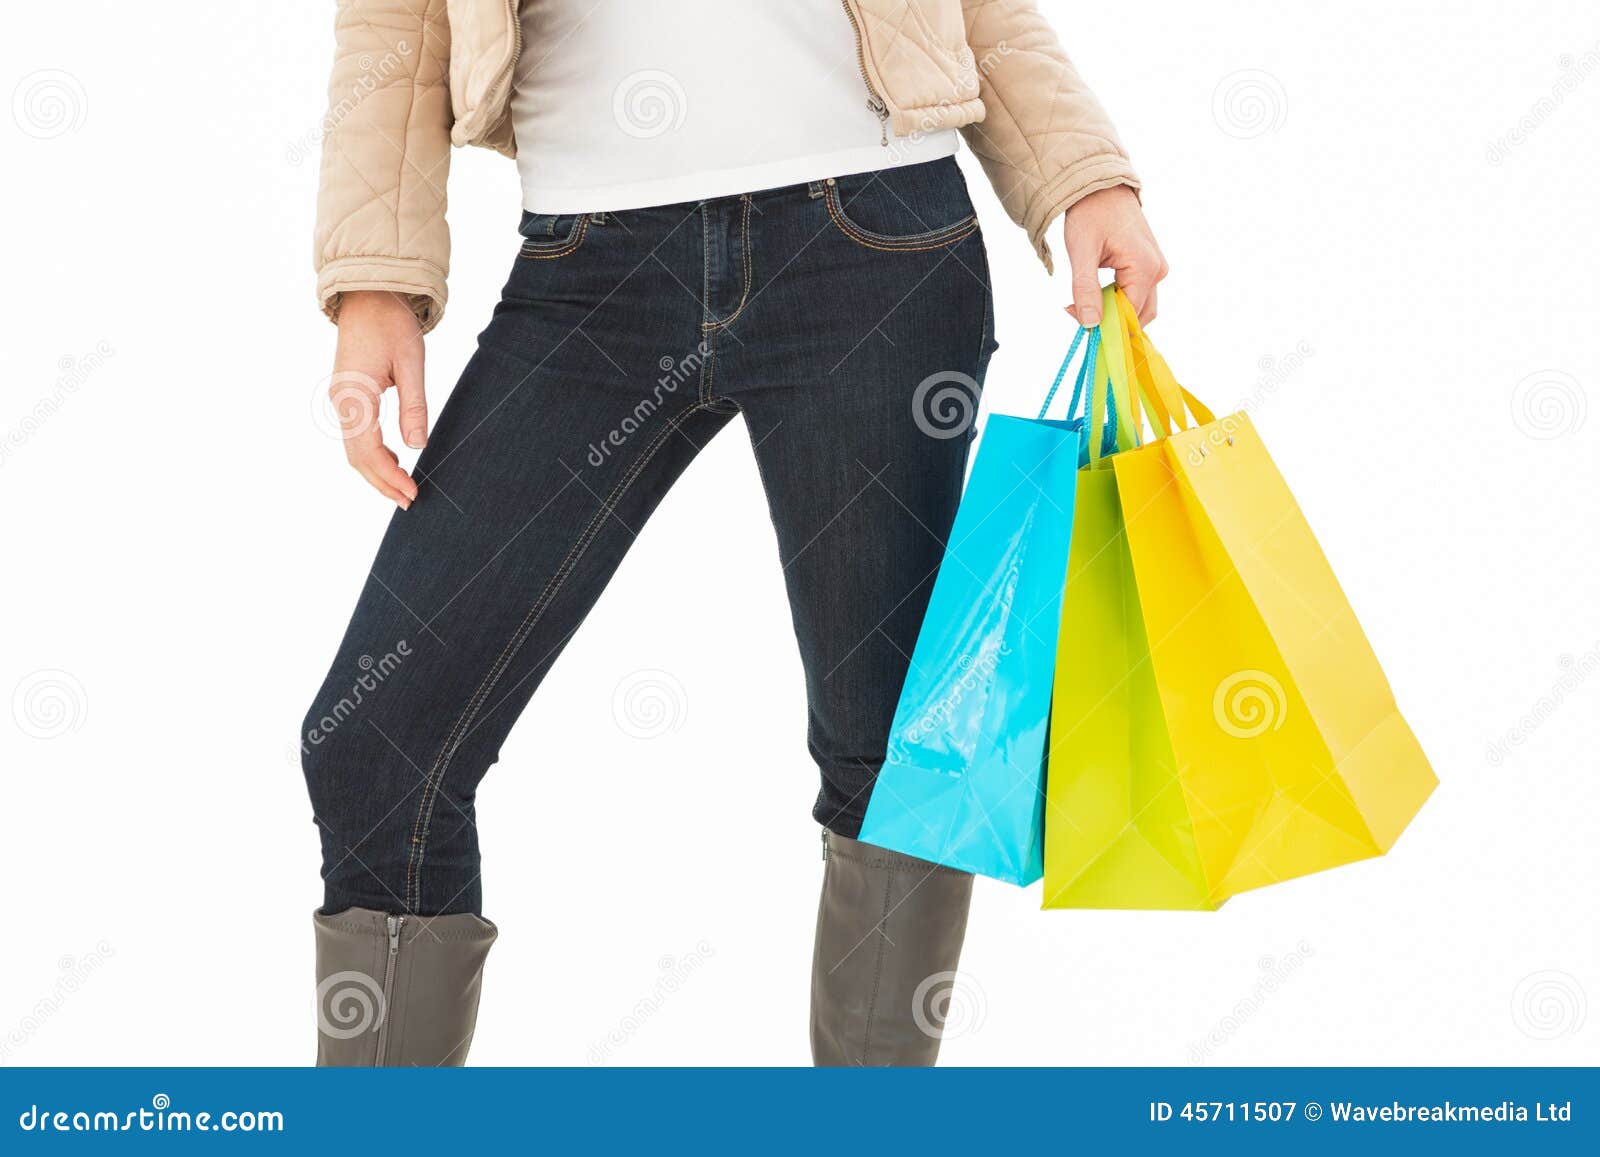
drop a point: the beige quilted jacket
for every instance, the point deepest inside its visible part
(411, 77)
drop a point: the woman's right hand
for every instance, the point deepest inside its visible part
(380, 345)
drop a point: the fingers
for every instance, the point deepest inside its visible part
(408, 363)
(378, 465)
(355, 399)
(1138, 271)
(382, 471)
(1083, 252)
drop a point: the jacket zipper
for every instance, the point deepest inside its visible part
(394, 924)
(874, 102)
(492, 96)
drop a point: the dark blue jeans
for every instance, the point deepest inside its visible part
(848, 321)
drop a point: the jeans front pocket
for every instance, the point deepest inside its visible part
(907, 209)
(547, 235)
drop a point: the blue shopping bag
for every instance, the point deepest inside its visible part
(963, 783)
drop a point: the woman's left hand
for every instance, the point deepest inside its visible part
(1107, 230)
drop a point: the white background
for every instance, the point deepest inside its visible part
(183, 546)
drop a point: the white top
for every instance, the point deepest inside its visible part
(620, 104)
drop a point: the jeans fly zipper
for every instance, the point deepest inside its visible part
(876, 103)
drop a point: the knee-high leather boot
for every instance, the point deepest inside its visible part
(398, 990)
(889, 933)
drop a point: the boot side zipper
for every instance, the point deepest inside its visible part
(876, 103)
(394, 925)
(824, 844)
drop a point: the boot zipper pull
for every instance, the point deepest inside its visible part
(394, 923)
(881, 111)
(824, 844)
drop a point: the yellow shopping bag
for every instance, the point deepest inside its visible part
(1289, 754)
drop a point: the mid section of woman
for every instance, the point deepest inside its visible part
(730, 208)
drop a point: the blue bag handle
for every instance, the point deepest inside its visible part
(1080, 388)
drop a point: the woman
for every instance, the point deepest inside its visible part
(729, 208)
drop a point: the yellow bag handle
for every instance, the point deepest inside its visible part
(1152, 368)
(1132, 375)
(1111, 384)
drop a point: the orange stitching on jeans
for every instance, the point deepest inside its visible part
(744, 230)
(567, 246)
(434, 781)
(959, 231)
